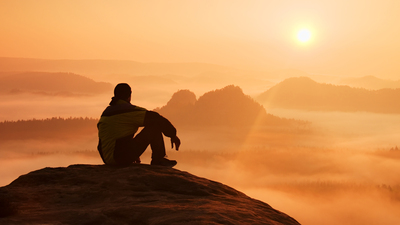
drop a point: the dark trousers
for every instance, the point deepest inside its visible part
(128, 149)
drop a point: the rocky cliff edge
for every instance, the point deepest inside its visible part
(138, 194)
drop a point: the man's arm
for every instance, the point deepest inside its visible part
(154, 119)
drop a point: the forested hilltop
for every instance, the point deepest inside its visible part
(50, 128)
(227, 107)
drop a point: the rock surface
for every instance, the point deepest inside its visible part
(138, 194)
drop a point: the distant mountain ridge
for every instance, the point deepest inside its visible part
(179, 75)
(106, 66)
(371, 82)
(306, 94)
(51, 83)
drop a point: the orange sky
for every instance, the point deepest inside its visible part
(349, 37)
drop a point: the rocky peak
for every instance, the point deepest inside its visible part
(138, 194)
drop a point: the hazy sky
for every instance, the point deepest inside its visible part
(348, 37)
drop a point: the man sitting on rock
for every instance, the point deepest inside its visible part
(118, 124)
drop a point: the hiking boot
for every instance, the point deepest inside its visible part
(163, 162)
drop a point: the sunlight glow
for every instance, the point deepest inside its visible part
(304, 35)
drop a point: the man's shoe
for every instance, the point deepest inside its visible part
(163, 162)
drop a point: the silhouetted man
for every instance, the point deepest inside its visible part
(118, 125)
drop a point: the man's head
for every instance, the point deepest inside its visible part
(123, 91)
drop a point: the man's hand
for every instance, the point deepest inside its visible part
(175, 140)
(137, 160)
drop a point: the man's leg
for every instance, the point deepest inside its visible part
(149, 136)
(152, 136)
(128, 150)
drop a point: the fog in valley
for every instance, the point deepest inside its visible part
(319, 166)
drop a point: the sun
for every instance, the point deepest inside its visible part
(304, 35)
